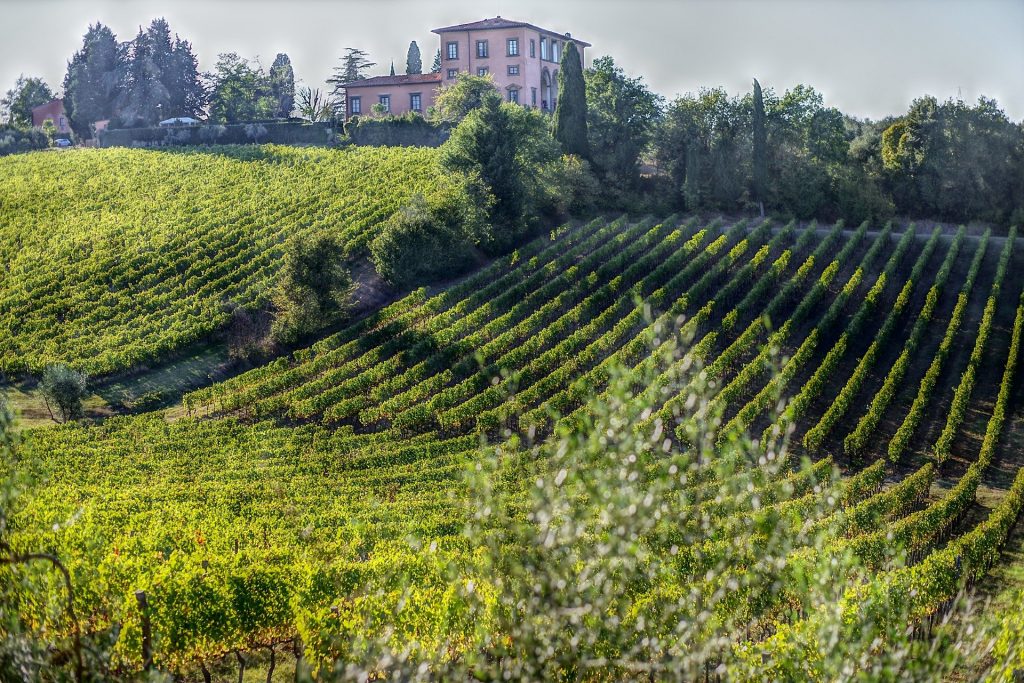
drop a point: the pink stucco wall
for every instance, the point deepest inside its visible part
(400, 95)
(54, 111)
(534, 72)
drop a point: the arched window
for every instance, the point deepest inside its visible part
(546, 91)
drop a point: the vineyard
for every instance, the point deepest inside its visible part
(114, 258)
(360, 495)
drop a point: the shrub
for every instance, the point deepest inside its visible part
(567, 187)
(429, 239)
(14, 140)
(314, 288)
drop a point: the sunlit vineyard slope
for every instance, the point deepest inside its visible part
(285, 505)
(112, 258)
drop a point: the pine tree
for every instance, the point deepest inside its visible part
(354, 66)
(144, 97)
(571, 111)
(282, 85)
(413, 62)
(760, 154)
(392, 67)
(436, 67)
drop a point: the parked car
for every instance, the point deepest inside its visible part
(62, 142)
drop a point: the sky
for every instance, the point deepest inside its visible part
(869, 58)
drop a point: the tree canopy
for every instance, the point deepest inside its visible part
(621, 115)
(17, 104)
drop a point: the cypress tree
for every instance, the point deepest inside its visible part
(571, 111)
(392, 67)
(413, 61)
(282, 86)
(760, 159)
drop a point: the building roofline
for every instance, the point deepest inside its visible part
(506, 23)
(403, 79)
(50, 103)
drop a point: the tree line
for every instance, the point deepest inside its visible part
(787, 154)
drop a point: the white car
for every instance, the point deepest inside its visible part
(62, 142)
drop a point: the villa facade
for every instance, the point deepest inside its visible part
(523, 60)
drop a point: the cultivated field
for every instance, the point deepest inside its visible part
(118, 257)
(324, 496)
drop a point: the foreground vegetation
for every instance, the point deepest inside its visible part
(423, 492)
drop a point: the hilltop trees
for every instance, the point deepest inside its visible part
(240, 91)
(701, 145)
(502, 144)
(955, 160)
(282, 86)
(92, 84)
(621, 115)
(143, 96)
(570, 127)
(759, 178)
(136, 83)
(16, 105)
(354, 66)
(413, 62)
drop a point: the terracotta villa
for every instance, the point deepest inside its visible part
(522, 58)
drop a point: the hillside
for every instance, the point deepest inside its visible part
(113, 258)
(298, 499)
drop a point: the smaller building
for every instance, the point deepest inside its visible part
(396, 95)
(52, 111)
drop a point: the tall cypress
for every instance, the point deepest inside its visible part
(413, 61)
(282, 86)
(760, 160)
(571, 111)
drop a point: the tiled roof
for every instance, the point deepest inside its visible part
(404, 79)
(498, 22)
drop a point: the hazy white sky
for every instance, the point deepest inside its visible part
(870, 58)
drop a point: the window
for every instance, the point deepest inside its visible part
(61, 124)
(533, 47)
(415, 102)
(513, 47)
(453, 50)
(513, 69)
(452, 73)
(481, 48)
(543, 48)
(554, 51)
(357, 104)
(533, 96)
(385, 101)
(513, 95)
(482, 71)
